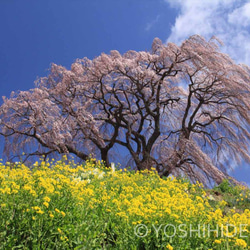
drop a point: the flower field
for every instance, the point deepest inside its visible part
(62, 205)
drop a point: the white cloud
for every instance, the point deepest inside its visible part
(240, 16)
(229, 20)
(152, 23)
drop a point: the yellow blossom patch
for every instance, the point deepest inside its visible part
(95, 206)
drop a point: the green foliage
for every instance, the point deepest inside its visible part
(226, 187)
(235, 196)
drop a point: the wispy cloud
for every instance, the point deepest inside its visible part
(152, 23)
(229, 20)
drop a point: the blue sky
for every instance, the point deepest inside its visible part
(36, 33)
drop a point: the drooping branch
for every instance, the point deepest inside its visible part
(182, 109)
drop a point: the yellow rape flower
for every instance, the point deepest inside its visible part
(51, 215)
(217, 241)
(64, 238)
(46, 198)
(46, 204)
(169, 247)
(240, 243)
(57, 210)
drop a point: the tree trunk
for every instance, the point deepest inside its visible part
(104, 156)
